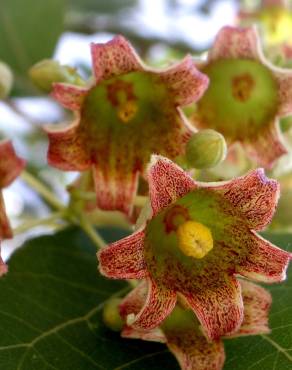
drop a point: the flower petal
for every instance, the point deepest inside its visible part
(194, 352)
(10, 164)
(267, 147)
(114, 58)
(70, 96)
(167, 182)
(257, 302)
(124, 259)
(284, 79)
(66, 148)
(236, 42)
(3, 267)
(218, 308)
(254, 195)
(116, 185)
(264, 261)
(160, 301)
(185, 81)
(5, 229)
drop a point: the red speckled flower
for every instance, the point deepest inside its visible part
(130, 112)
(255, 94)
(200, 236)
(181, 330)
(10, 168)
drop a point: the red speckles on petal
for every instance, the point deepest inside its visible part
(254, 196)
(159, 303)
(264, 261)
(70, 96)
(10, 164)
(167, 182)
(257, 302)
(114, 58)
(185, 81)
(124, 259)
(266, 147)
(219, 308)
(284, 79)
(232, 42)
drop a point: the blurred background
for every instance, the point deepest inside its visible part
(161, 30)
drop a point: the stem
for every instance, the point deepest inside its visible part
(43, 190)
(88, 228)
(49, 221)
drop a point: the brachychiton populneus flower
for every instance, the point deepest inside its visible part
(199, 237)
(10, 167)
(246, 95)
(181, 330)
(128, 113)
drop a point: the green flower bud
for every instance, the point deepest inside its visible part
(46, 72)
(111, 316)
(6, 80)
(205, 149)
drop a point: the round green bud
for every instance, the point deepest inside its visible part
(6, 80)
(206, 149)
(111, 315)
(46, 72)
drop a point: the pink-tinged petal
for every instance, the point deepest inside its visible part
(218, 308)
(236, 42)
(254, 195)
(273, 3)
(185, 81)
(3, 267)
(160, 301)
(284, 79)
(66, 149)
(264, 262)
(124, 259)
(114, 58)
(70, 96)
(257, 302)
(5, 229)
(267, 147)
(167, 182)
(116, 187)
(194, 352)
(153, 335)
(10, 164)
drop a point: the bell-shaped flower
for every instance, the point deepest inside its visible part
(129, 112)
(246, 95)
(182, 333)
(197, 239)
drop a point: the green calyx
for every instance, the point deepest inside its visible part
(205, 149)
(111, 316)
(181, 319)
(241, 99)
(6, 80)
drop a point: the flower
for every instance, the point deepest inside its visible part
(255, 95)
(10, 167)
(128, 113)
(181, 330)
(219, 242)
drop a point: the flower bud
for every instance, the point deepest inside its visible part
(46, 72)
(111, 315)
(206, 149)
(6, 80)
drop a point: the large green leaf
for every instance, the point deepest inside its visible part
(29, 31)
(50, 315)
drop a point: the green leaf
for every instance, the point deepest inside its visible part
(28, 33)
(50, 315)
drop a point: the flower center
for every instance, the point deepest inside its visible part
(241, 99)
(175, 217)
(242, 87)
(121, 95)
(194, 239)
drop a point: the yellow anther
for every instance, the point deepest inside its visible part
(194, 239)
(127, 111)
